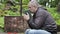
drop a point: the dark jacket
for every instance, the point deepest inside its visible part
(43, 20)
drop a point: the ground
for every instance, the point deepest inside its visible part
(58, 33)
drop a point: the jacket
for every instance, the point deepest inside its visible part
(43, 20)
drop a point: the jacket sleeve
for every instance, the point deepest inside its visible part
(38, 21)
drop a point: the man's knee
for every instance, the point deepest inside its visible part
(32, 31)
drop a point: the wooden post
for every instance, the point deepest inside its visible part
(21, 7)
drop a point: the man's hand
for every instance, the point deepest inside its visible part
(26, 17)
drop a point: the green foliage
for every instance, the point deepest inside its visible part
(2, 22)
(10, 12)
(2, 6)
(55, 15)
(25, 7)
(25, 2)
(43, 2)
(53, 3)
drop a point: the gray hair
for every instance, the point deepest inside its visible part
(34, 3)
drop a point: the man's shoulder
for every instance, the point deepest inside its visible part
(42, 12)
(40, 9)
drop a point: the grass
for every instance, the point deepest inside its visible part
(1, 24)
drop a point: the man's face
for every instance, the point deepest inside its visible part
(31, 8)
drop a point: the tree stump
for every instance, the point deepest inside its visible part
(15, 24)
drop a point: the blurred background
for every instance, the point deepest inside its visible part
(12, 8)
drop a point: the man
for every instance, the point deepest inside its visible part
(41, 22)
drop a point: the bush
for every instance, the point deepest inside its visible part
(14, 11)
(55, 15)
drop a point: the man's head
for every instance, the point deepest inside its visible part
(33, 5)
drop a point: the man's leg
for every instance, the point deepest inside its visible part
(33, 31)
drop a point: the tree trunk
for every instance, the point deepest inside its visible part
(15, 24)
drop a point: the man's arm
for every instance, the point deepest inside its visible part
(38, 21)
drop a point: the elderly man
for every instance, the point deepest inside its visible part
(41, 22)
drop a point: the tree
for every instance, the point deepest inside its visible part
(53, 3)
